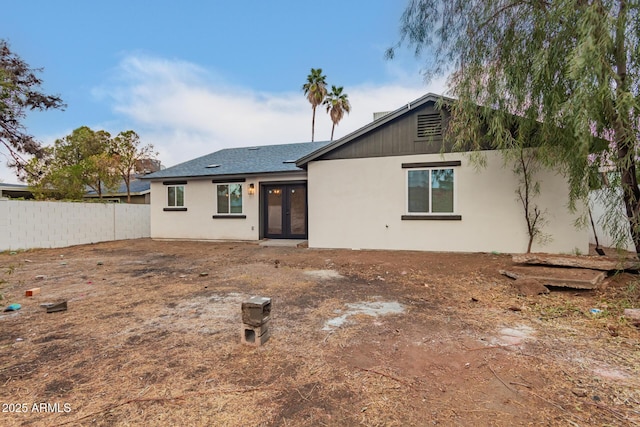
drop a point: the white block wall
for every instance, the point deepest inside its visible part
(598, 211)
(30, 224)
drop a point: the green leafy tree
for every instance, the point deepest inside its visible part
(75, 162)
(315, 90)
(20, 92)
(539, 73)
(127, 153)
(337, 104)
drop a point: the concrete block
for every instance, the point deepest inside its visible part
(255, 336)
(256, 311)
(258, 330)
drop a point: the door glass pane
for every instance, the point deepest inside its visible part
(297, 209)
(442, 190)
(274, 211)
(223, 199)
(418, 191)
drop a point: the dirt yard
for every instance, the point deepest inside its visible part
(152, 337)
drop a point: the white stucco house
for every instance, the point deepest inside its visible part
(388, 185)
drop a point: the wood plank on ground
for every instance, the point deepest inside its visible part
(557, 276)
(589, 262)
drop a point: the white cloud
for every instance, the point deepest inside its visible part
(186, 112)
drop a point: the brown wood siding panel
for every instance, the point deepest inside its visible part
(396, 138)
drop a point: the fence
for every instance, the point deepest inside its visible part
(30, 224)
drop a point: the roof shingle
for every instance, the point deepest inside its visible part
(242, 161)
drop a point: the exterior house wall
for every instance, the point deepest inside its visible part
(359, 203)
(197, 221)
(32, 224)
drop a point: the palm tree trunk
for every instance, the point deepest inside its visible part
(332, 129)
(313, 122)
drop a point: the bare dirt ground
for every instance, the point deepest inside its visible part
(152, 337)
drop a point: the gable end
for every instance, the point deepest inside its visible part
(418, 131)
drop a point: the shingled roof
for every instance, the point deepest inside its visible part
(242, 161)
(136, 186)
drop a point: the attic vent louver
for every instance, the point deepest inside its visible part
(253, 148)
(289, 161)
(429, 125)
(212, 166)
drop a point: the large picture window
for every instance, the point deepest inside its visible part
(175, 196)
(430, 191)
(229, 198)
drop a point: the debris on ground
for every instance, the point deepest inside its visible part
(575, 278)
(13, 307)
(56, 307)
(530, 287)
(32, 292)
(589, 262)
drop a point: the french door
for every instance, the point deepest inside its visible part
(285, 211)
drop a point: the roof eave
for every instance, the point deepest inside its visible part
(133, 193)
(229, 175)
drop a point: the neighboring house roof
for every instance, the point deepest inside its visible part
(409, 107)
(242, 161)
(15, 190)
(13, 186)
(136, 187)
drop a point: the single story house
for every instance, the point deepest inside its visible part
(15, 191)
(388, 185)
(139, 189)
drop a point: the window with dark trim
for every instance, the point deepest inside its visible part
(430, 191)
(175, 196)
(229, 199)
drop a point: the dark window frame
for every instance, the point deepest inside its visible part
(228, 183)
(175, 206)
(429, 166)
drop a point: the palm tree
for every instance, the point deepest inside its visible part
(337, 104)
(315, 89)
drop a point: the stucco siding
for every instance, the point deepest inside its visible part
(197, 221)
(359, 203)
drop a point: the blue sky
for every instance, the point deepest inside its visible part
(194, 77)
